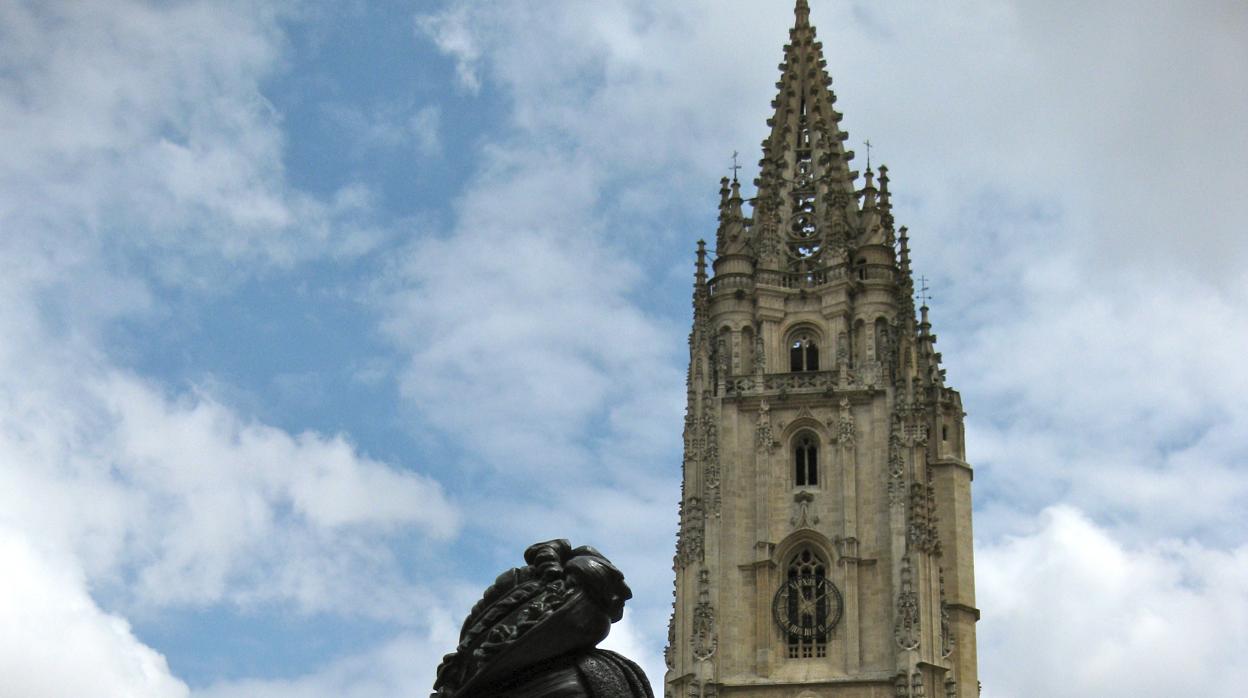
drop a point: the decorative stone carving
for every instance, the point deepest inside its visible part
(669, 652)
(770, 249)
(710, 455)
(906, 627)
(921, 528)
(916, 685)
(692, 531)
(723, 359)
(916, 433)
(951, 687)
(946, 635)
(764, 436)
(760, 357)
(803, 517)
(704, 640)
(901, 685)
(535, 630)
(693, 523)
(896, 465)
(782, 383)
(845, 425)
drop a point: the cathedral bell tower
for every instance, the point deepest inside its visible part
(825, 522)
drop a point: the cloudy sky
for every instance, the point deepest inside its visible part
(314, 314)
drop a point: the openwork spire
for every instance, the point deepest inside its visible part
(806, 206)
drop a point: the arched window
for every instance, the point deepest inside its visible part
(806, 460)
(803, 353)
(809, 606)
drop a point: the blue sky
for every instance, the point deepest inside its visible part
(314, 315)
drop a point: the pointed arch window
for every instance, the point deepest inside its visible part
(806, 460)
(803, 353)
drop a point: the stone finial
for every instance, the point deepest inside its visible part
(868, 192)
(803, 13)
(903, 253)
(700, 274)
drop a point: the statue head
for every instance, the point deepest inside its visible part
(534, 631)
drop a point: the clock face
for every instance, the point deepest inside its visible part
(807, 607)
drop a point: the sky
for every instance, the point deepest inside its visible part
(313, 315)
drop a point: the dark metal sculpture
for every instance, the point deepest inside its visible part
(534, 632)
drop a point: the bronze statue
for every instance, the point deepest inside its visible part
(534, 632)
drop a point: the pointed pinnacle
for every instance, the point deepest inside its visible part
(699, 276)
(803, 13)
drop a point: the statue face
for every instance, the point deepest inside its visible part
(602, 582)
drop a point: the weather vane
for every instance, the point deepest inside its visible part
(923, 289)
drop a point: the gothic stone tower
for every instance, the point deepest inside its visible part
(825, 524)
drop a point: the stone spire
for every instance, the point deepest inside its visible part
(806, 190)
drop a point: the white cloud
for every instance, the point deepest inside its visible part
(54, 640)
(1072, 611)
(141, 154)
(402, 666)
(453, 34)
(517, 306)
(193, 504)
(132, 127)
(1119, 395)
